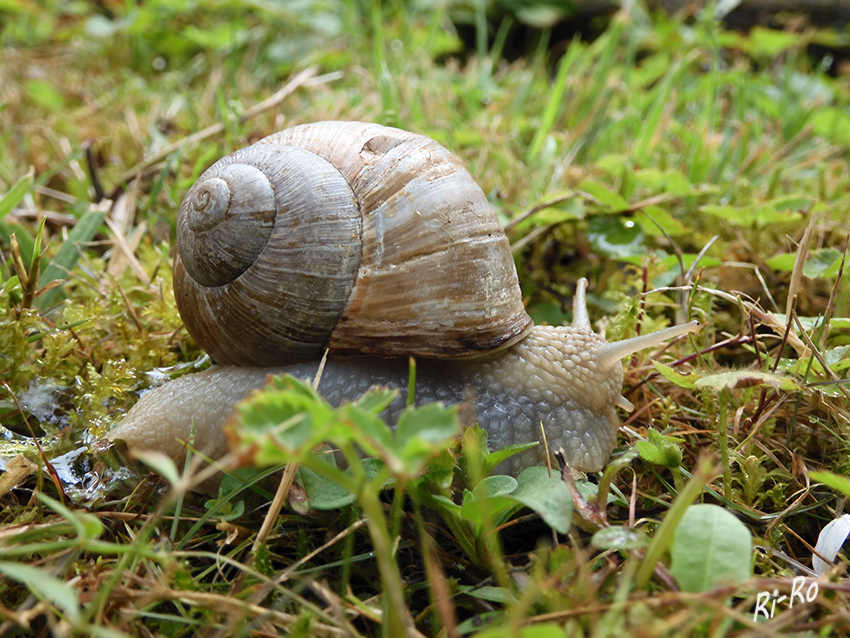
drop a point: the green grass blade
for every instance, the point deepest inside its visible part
(69, 253)
(26, 242)
(647, 139)
(555, 104)
(15, 194)
(45, 586)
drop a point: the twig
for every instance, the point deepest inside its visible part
(799, 262)
(289, 571)
(95, 178)
(560, 199)
(125, 252)
(280, 497)
(51, 471)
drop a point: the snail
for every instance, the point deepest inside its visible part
(374, 244)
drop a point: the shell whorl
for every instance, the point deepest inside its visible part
(380, 238)
(290, 217)
(225, 223)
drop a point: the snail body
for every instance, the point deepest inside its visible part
(376, 245)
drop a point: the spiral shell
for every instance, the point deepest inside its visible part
(355, 237)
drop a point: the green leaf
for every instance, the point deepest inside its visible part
(448, 503)
(363, 428)
(15, 194)
(289, 419)
(609, 198)
(615, 237)
(670, 182)
(782, 263)
(822, 262)
(159, 463)
(495, 498)
(769, 43)
(790, 202)
(475, 450)
(537, 630)
(283, 422)
(18, 6)
(441, 468)
(681, 380)
(45, 587)
(44, 94)
(548, 496)
(834, 481)
(557, 213)
(837, 358)
(832, 123)
(661, 450)
(423, 431)
(711, 547)
(376, 399)
(26, 242)
(492, 461)
(656, 219)
(493, 486)
(325, 493)
(88, 526)
(747, 379)
(810, 323)
(227, 510)
(589, 491)
(756, 215)
(493, 594)
(542, 16)
(548, 313)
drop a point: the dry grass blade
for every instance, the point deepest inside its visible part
(290, 87)
(799, 263)
(16, 471)
(120, 221)
(280, 498)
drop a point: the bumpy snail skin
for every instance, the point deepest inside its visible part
(367, 240)
(166, 417)
(507, 393)
(566, 378)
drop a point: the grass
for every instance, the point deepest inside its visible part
(668, 153)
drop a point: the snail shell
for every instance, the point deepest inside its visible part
(383, 245)
(370, 240)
